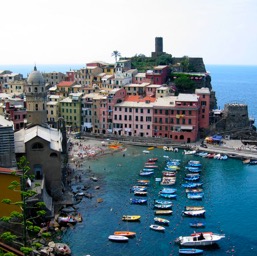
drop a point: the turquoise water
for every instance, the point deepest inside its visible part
(230, 200)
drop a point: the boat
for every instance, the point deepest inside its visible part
(194, 163)
(138, 188)
(143, 182)
(131, 217)
(168, 195)
(189, 152)
(253, 162)
(61, 249)
(190, 251)
(172, 167)
(152, 159)
(169, 174)
(196, 196)
(146, 173)
(150, 166)
(138, 201)
(148, 169)
(140, 193)
(204, 239)
(163, 206)
(163, 212)
(194, 208)
(158, 179)
(157, 227)
(197, 224)
(194, 190)
(192, 184)
(124, 233)
(168, 190)
(64, 220)
(159, 201)
(192, 178)
(150, 148)
(146, 151)
(194, 213)
(118, 238)
(161, 221)
(223, 157)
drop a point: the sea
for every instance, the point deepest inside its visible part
(230, 191)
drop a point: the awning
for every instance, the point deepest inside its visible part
(186, 127)
(88, 125)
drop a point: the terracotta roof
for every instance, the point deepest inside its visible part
(136, 98)
(6, 170)
(65, 84)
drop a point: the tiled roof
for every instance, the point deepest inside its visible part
(136, 98)
(65, 84)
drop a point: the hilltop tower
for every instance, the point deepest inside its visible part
(36, 98)
(158, 47)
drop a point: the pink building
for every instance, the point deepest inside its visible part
(134, 116)
(16, 112)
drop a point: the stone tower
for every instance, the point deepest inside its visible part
(36, 98)
(158, 47)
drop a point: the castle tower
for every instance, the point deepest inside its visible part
(158, 47)
(36, 98)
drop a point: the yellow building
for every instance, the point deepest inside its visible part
(6, 177)
(71, 111)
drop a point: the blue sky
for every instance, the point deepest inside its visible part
(80, 31)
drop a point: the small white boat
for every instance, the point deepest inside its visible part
(146, 151)
(157, 227)
(118, 238)
(200, 239)
(189, 152)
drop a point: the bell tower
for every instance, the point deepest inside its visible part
(36, 98)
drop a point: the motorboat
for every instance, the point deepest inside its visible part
(157, 227)
(118, 238)
(200, 239)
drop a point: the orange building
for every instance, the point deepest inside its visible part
(6, 177)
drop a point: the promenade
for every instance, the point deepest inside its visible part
(232, 148)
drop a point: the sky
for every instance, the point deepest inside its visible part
(80, 31)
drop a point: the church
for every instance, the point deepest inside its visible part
(40, 144)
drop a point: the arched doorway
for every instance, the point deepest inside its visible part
(37, 168)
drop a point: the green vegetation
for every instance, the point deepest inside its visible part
(26, 220)
(143, 63)
(183, 83)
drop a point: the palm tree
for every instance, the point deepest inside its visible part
(116, 54)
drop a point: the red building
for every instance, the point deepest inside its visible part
(158, 75)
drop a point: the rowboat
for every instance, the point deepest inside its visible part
(163, 206)
(150, 148)
(194, 190)
(189, 152)
(159, 201)
(192, 184)
(146, 173)
(195, 195)
(138, 201)
(148, 169)
(124, 233)
(157, 227)
(194, 213)
(138, 188)
(168, 195)
(140, 193)
(152, 159)
(163, 212)
(168, 174)
(146, 151)
(161, 221)
(118, 238)
(151, 166)
(168, 190)
(190, 251)
(192, 178)
(197, 224)
(194, 208)
(131, 217)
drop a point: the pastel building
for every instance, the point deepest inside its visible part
(53, 109)
(71, 110)
(133, 117)
(136, 89)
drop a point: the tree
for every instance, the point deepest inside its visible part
(26, 219)
(116, 54)
(184, 84)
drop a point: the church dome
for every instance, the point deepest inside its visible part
(35, 77)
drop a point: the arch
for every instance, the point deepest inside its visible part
(53, 154)
(37, 146)
(181, 137)
(38, 172)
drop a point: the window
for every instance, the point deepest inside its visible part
(141, 118)
(37, 146)
(141, 111)
(53, 154)
(189, 121)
